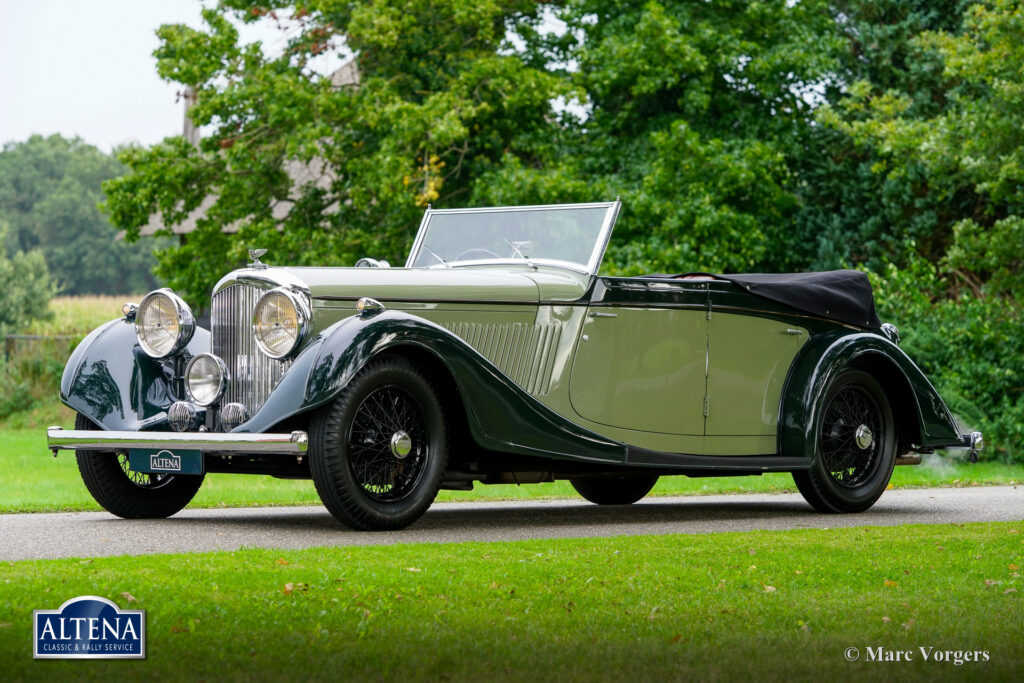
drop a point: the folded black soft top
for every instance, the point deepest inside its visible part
(841, 295)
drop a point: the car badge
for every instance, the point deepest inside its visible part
(255, 254)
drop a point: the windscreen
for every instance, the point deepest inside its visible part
(571, 235)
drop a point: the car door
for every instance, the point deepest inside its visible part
(749, 357)
(640, 362)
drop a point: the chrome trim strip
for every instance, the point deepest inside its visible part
(263, 279)
(80, 439)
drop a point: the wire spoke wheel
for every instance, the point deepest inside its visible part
(143, 480)
(387, 444)
(855, 445)
(379, 450)
(851, 436)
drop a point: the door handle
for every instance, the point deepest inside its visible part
(794, 332)
(599, 314)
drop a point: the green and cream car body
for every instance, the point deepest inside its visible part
(498, 355)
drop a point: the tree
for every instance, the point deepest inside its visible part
(49, 191)
(441, 101)
(968, 151)
(696, 112)
(850, 212)
(26, 285)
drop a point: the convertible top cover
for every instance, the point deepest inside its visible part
(841, 295)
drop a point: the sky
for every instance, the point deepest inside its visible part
(86, 69)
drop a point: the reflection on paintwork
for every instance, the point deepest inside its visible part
(94, 385)
(642, 370)
(748, 361)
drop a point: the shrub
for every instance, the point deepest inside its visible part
(26, 286)
(970, 346)
(31, 376)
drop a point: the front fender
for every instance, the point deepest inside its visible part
(109, 379)
(500, 414)
(825, 356)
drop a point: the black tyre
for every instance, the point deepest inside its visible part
(855, 449)
(129, 494)
(378, 451)
(614, 490)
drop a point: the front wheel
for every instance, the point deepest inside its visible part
(855, 446)
(377, 453)
(614, 490)
(130, 494)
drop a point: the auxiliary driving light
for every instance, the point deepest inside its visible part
(206, 377)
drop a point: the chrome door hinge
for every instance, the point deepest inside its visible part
(707, 312)
(707, 406)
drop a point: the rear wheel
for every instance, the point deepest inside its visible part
(377, 453)
(614, 490)
(855, 446)
(130, 494)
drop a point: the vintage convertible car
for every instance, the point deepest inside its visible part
(498, 355)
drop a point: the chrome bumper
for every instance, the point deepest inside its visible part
(975, 442)
(207, 442)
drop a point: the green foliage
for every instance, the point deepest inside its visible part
(955, 163)
(439, 103)
(31, 375)
(961, 164)
(25, 283)
(852, 210)
(971, 347)
(49, 190)
(696, 110)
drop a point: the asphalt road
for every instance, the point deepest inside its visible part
(90, 534)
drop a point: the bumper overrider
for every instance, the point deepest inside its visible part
(57, 438)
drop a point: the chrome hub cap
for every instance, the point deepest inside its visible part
(401, 444)
(863, 437)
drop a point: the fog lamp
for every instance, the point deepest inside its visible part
(206, 378)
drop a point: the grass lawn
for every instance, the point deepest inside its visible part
(760, 605)
(35, 481)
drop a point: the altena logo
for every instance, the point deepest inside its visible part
(165, 460)
(89, 627)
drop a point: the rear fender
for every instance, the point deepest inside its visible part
(501, 416)
(923, 417)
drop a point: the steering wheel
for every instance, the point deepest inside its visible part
(476, 250)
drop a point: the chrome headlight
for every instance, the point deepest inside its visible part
(280, 322)
(163, 323)
(206, 377)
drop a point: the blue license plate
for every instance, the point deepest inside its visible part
(164, 461)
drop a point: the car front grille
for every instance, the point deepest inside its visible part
(253, 375)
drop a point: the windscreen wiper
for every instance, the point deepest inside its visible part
(434, 254)
(521, 254)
